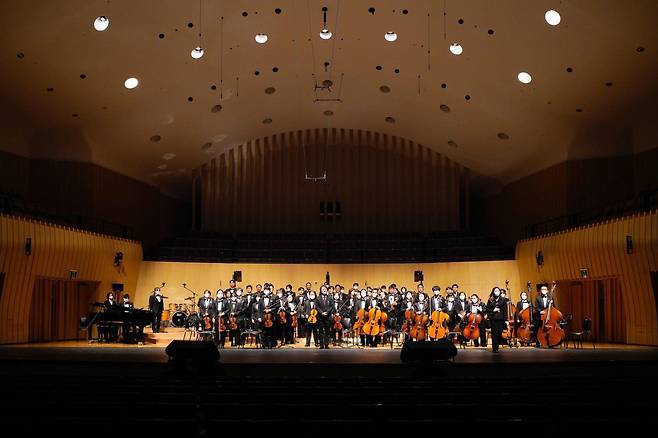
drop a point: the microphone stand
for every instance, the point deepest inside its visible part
(194, 294)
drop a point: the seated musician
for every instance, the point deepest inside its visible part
(126, 306)
(476, 307)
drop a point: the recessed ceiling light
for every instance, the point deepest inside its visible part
(131, 83)
(197, 52)
(389, 120)
(552, 17)
(325, 34)
(390, 36)
(267, 121)
(456, 49)
(385, 89)
(524, 77)
(216, 109)
(261, 38)
(168, 156)
(101, 23)
(503, 136)
(445, 108)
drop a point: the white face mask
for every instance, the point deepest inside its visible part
(421, 298)
(311, 297)
(474, 301)
(496, 293)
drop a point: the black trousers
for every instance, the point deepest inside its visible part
(157, 319)
(324, 324)
(269, 340)
(312, 329)
(301, 327)
(497, 328)
(483, 336)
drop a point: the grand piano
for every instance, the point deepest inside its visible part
(109, 320)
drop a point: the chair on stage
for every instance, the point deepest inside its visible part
(250, 334)
(578, 337)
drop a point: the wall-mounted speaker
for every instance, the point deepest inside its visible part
(629, 244)
(418, 276)
(28, 246)
(237, 276)
(540, 258)
(117, 287)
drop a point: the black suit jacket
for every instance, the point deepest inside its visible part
(325, 305)
(501, 304)
(208, 307)
(155, 306)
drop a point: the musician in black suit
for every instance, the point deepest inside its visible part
(301, 317)
(311, 326)
(234, 308)
(361, 303)
(436, 301)
(290, 309)
(156, 305)
(126, 306)
(206, 308)
(325, 313)
(109, 301)
(497, 314)
(450, 308)
(543, 300)
(222, 308)
(265, 307)
(476, 307)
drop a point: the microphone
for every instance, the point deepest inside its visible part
(164, 296)
(163, 283)
(184, 284)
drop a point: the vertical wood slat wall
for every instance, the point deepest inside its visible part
(55, 251)
(383, 183)
(602, 249)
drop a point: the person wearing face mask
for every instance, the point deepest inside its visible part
(156, 305)
(221, 306)
(450, 308)
(233, 312)
(301, 317)
(476, 307)
(375, 302)
(436, 301)
(326, 312)
(290, 309)
(246, 312)
(266, 306)
(312, 327)
(281, 316)
(497, 311)
(362, 304)
(127, 307)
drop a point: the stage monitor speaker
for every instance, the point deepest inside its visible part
(418, 276)
(237, 276)
(28, 246)
(117, 287)
(428, 351)
(539, 258)
(629, 244)
(201, 353)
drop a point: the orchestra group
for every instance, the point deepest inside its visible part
(370, 316)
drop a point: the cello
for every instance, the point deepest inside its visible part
(524, 325)
(406, 326)
(439, 327)
(372, 326)
(472, 329)
(360, 322)
(419, 329)
(550, 334)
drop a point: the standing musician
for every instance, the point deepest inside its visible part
(156, 305)
(246, 311)
(374, 303)
(222, 307)
(436, 302)
(497, 312)
(109, 301)
(301, 317)
(291, 309)
(280, 305)
(326, 311)
(233, 312)
(361, 303)
(338, 306)
(541, 304)
(312, 326)
(522, 304)
(475, 306)
(450, 308)
(207, 309)
(392, 308)
(421, 307)
(266, 306)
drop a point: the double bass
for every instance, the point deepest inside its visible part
(550, 334)
(508, 331)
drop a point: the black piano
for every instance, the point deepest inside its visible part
(109, 320)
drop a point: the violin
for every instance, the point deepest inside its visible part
(439, 327)
(293, 320)
(313, 316)
(338, 325)
(550, 334)
(282, 316)
(472, 329)
(207, 323)
(233, 322)
(222, 324)
(406, 326)
(268, 321)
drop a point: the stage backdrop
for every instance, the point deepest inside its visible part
(375, 183)
(476, 277)
(602, 249)
(53, 252)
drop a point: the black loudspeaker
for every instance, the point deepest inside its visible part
(540, 258)
(418, 276)
(237, 276)
(28, 246)
(2, 283)
(629, 244)
(117, 287)
(428, 351)
(202, 353)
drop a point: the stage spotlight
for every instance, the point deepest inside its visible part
(325, 34)
(261, 38)
(101, 23)
(390, 36)
(456, 49)
(131, 83)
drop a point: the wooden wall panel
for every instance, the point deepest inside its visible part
(384, 184)
(602, 249)
(55, 251)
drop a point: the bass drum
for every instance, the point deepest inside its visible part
(179, 319)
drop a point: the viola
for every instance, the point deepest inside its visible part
(313, 316)
(233, 322)
(293, 320)
(550, 334)
(338, 325)
(268, 321)
(406, 326)
(222, 324)
(207, 323)
(282, 317)
(439, 327)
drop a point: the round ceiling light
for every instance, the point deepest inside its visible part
(131, 83)
(456, 49)
(325, 34)
(390, 36)
(197, 52)
(552, 17)
(101, 23)
(525, 77)
(261, 38)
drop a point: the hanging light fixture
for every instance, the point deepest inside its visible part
(197, 52)
(261, 38)
(325, 33)
(390, 36)
(101, 23)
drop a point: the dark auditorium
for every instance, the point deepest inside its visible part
(434, 214)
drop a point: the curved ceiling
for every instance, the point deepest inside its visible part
(66, 80)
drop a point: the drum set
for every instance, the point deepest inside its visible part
(182, 314)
